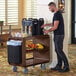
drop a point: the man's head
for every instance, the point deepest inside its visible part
(52, 6)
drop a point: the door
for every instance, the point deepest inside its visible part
(74, 21)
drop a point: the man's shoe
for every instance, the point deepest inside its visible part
(56, 68)
(65, 69)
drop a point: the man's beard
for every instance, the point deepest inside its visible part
(52, 10)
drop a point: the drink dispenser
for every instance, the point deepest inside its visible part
(34, 26)
(23, 24)
(40, 23)
(27, 25)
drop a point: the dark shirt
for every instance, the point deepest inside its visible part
(60, 30)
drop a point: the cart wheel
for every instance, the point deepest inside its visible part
(43, 67)
(1, 44)
(14, 68)
(33, 66)
(25, 70)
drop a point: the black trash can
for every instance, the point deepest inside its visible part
(14, 54)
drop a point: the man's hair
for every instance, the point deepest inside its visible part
(52, 3)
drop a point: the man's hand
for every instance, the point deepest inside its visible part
(43, 26)
(46, 31)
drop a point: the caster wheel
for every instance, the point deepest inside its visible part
(14, 68)
(25, 70)
(43, 67)
(33, 66)
(1, 44)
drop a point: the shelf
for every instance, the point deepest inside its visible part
(29, 62)
(40, 60)
(36, 61)
(29, 55)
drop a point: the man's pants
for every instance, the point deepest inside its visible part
(58, 42)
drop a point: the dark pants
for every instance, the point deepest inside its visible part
(58, 41)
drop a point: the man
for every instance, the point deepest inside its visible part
(58, 28)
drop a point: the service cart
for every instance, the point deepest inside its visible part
(33, 50)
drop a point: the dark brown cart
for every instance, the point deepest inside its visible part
(37, 56)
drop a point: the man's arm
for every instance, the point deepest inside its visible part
(46, 25)
(56, 23)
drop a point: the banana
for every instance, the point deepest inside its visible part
(40, 46)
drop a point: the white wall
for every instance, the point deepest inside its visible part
(43, 11)
(69, 21)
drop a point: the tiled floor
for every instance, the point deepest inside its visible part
(5, 68)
